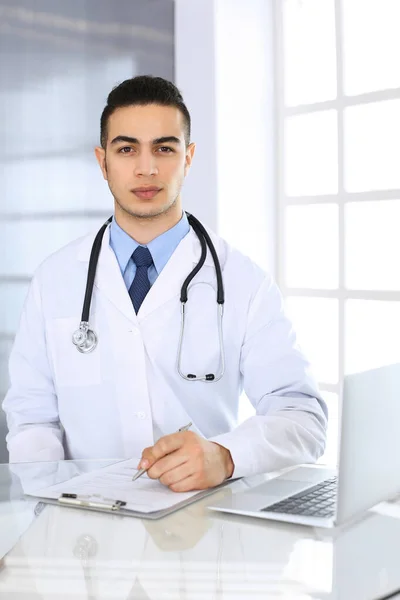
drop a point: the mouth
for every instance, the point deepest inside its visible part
(146, 193)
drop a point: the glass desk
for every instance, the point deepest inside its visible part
(49, 552)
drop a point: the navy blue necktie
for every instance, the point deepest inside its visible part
(141, 284)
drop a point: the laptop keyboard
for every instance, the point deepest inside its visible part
(317, 501)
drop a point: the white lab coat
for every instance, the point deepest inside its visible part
(107, 404)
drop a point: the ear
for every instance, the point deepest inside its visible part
(101, 159)
(189, 156)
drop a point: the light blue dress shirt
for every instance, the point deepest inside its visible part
(161, 249)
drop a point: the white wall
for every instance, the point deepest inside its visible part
(224, 68)
(195, 76)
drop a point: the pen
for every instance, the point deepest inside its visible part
(140, 473)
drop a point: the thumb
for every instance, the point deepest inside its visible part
(147, 459)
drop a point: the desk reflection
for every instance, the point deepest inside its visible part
(194, 554)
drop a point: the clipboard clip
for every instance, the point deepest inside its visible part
(75, 500)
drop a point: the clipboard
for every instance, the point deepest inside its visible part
(110, 506)
(111, 490)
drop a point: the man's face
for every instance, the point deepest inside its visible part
(146, 159)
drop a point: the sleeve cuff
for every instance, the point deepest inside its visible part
(243, 453)
(36, 444)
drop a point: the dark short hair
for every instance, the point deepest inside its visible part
(141, 91)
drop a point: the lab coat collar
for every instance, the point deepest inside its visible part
(108, 274)
(167, 285)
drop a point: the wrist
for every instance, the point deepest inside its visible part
(229, 465)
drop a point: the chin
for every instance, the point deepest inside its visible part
(146, 214)
(146, 211)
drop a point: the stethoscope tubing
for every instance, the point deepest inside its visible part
(85, 339)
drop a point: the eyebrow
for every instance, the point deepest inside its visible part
(168, 139)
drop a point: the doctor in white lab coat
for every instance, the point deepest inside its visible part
(126, 398)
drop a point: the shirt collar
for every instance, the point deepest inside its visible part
(161, 248)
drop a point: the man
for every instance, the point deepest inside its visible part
(127, 396)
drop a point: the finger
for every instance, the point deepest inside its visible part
(188, 484)
(178, 474)
(171, 461)
(147, 458)
(170, 443)
(164, 446)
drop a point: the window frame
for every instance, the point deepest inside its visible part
(340, 103)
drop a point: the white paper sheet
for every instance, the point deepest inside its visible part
(115, 483)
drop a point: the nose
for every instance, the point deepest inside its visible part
(145, 165)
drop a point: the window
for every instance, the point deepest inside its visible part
(338, 137)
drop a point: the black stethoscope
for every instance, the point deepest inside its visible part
(86, 340)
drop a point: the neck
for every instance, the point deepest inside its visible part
(144, 229)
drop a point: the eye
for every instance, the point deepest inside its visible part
(121, 150)
(165, 149)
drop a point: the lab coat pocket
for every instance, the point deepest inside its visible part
(71, 367)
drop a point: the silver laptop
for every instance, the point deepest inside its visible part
(369, 462)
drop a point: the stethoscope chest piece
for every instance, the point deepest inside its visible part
(84, 338)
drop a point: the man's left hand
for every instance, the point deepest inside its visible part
(184, 461)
